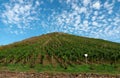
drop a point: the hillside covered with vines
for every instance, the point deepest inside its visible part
(60, 49)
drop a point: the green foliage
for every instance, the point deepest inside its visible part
(60, 48)
(85, 68)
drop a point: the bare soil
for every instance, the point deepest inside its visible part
(7, 74)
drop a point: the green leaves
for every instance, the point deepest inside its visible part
(65, 48)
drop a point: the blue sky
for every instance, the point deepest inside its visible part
(21, 19)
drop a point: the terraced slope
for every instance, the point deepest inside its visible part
(60, 49)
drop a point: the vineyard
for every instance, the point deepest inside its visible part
(60, 49)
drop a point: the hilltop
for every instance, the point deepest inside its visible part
(60, 49)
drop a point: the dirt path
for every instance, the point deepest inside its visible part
(6, 74)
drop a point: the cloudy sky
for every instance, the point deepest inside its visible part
(21, 19)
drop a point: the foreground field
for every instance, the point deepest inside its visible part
(86, 68)
(7, 74)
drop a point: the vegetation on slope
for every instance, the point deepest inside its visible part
(60, 49)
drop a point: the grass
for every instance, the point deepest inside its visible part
(95, 68)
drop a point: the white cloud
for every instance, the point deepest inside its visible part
(118, 0)
(110, 11)
(83, 17)
(86, 2)
(72, 21)
(109, 20)
(109, 6)
(93, 18)
(96, 13)
(20, 13)
(96, 5)
(83, 10)
(21, 1)
(95, 23)
(68, 1)
(101, 17)
(85, 23)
